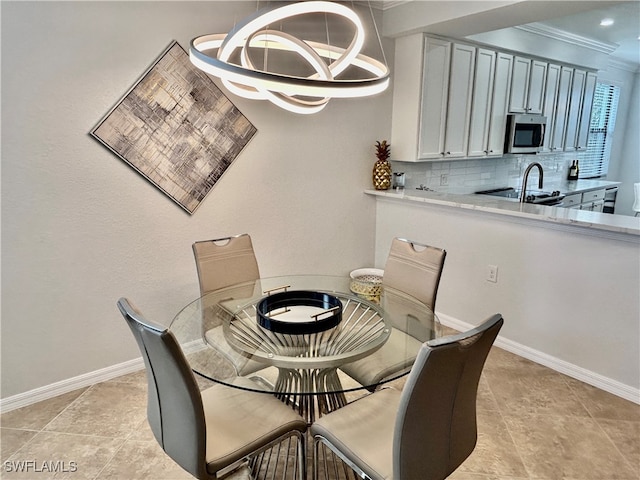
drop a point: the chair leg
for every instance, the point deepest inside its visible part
(349, 470)
(302, 456)
(267, 463)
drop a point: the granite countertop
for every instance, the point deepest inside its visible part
(512, 208)
(568, 187)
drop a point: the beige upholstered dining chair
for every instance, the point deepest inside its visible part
(224, 262)
(413, 269)
(221, 263)
(213, 432)
(423, 432)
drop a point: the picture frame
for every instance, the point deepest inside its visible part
(176, 128)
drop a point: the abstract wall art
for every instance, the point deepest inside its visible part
(176, 128)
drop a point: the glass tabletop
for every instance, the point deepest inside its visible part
(294, 347)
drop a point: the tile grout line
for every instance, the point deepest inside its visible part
(529, 476)
(41, 430)
(600, 427)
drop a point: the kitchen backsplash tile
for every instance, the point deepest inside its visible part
(471, 175)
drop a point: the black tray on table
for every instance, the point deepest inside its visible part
(328, 310)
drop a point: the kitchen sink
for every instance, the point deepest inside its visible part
(532, 196)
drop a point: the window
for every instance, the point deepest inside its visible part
(595, 162)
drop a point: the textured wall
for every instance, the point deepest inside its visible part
(80, 228)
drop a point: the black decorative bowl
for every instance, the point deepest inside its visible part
(299, 312)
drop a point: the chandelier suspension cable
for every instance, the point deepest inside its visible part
(326, 27)
(375, 28)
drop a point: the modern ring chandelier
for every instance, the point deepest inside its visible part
(298, 94)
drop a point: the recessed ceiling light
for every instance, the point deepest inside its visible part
(606, 22)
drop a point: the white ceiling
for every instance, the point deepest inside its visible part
(624, 32)
(579, 18)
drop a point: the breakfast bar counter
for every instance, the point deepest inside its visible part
(510, 208)
(566, 279)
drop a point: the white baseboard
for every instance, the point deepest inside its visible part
(53, 390)
(604, 383)
(49, 391)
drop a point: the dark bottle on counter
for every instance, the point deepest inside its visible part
(573, 171)
(577, 170)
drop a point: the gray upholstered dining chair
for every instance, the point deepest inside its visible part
(220, 263)
(213, 432)
(414, 269)
(423, 432)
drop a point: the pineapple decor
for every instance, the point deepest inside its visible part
(382, 168)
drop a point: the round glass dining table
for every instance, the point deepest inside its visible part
(296, 336)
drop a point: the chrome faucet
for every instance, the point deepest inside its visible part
(525, 178)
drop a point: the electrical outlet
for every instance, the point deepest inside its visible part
(492, 273)
(444, 179)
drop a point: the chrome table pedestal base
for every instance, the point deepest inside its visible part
(319, 383)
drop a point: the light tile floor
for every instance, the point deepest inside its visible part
(533, 423)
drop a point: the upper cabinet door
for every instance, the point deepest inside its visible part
(585, 115)
(550, 102)
(501, 91)
(433, 105)
(456, 137)
(575, 106)
(562, 108)
(407, 96)
(520, 85)
(528, 86)
(537, 82)
(481, 110)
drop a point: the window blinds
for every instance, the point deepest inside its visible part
(595, 162)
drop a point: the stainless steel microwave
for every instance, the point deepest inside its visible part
(525, 133)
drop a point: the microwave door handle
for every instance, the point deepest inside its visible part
(542, 134)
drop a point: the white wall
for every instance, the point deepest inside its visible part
(568, 297)
(624, 164)
(80, 228)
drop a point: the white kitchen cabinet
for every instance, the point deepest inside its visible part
(550, 101)
(501, 91)
(420, 95)
(572, 201)
(431, 101)
(573, 113)
(528, 86)
(585, 113)
(597, 206)
(455, 101)
(562, 107)
(435, 89)
(592, 200)
(456, 137)
(481, 109)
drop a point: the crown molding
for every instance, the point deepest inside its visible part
(623, 65)
(570, 38)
